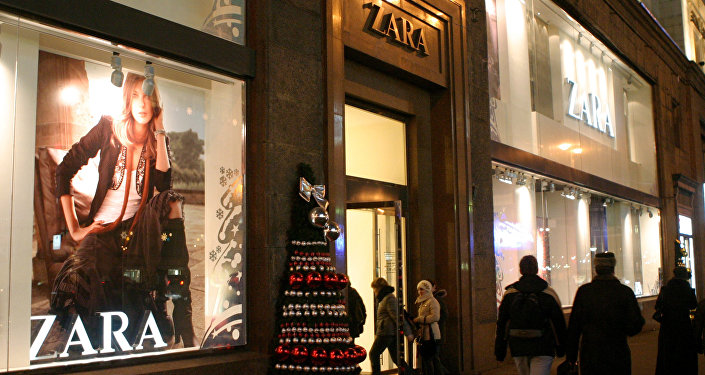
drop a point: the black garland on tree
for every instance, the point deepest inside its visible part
(313, 326)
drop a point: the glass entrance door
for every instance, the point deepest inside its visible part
(376, 247)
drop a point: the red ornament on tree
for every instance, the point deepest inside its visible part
(319, 356)
(296, 280)
(342, 281)
(350, 356)
(282, 352)
(361, 353)
(313, 280)
(299, 354)
(336, 357)
(330, 281)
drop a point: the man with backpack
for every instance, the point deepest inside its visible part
(531, 321)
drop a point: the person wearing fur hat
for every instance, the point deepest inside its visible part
(429, 313)
(677, 345)
(605, 312)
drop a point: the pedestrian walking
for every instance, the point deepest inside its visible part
(429, 313)
(677, 345)
(357, 315)
(386, 329)
(604, 313)
(531, 322)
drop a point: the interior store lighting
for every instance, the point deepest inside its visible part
(568, 193)
(117, 76)
(577, 150)
(564, 146)
(521, 180)
(502, 177)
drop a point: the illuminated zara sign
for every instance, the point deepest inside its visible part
(148, 330)
(589, 110)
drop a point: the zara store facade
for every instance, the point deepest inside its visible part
(500, 131)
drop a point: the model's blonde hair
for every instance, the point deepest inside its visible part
(124, 128)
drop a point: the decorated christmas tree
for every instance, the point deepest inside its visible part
(313, 326)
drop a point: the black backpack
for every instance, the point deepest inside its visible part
(526, 317)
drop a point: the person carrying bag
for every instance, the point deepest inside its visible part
(430, 334)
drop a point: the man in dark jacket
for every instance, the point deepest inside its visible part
(356, 313)
(604, 313)
(533, 348)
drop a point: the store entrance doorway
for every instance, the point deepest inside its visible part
(377, 248)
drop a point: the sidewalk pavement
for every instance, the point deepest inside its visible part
(644, 347)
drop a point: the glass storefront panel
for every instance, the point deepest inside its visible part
(558, 92)
(564, 226)
(154, 283)
(222, 18)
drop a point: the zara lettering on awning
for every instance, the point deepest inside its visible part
(590, 111)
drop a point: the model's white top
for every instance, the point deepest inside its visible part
(109, 211)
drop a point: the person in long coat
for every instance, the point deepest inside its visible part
(386, 328)
(430, 337)
(604, 313)
(677, 346)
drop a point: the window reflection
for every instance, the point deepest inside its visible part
(564, 226)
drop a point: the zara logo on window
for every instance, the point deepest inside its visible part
(589, 110)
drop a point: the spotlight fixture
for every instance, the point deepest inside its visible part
(552, 187)
(148, 84)
(580, 38)
(651, 214)
(502, 177)
(568, 193)
(521, 180)
(117, 76)
(608, 202)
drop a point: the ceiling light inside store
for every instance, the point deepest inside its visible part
(521, 180)
(651, 214)
(568, 193)
(564, 146)
(502, 177)
(577, 150)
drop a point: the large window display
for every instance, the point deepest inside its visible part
(122, 224)
(564, 226)
(222, 18)
(558, 92)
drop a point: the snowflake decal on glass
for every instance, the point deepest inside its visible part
(218, 249)
(223, 181)
(222, 170)
(219, 213)
(229, 173)
(212, 255)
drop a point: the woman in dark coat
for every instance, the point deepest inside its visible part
(677, 349)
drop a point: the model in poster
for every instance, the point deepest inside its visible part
(133, 246)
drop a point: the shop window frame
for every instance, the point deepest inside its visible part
(106, 20)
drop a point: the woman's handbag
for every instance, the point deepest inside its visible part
(567, 368)
(427, 347)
